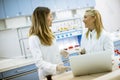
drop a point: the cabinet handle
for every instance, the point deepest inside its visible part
(21, 70)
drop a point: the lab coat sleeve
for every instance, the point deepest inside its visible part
(34, 44)
(108, 44)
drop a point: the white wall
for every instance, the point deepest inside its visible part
(9, 44)
(110, 11)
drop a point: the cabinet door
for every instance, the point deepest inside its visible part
(50, 4)
(85, 3)
(30, 76)
(25, 7)
(11, 8)
(29, 72)
(60, 5)
(36, 3)
(2, 13)
(71, 4)
(91, 3)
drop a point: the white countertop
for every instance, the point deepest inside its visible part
(8, 64)
(114, 75)
(69, 76)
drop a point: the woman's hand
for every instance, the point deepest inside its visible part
(64, 53)
(61, 68)
(82, 51)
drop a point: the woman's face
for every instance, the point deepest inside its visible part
(88, 21)
(49, 19)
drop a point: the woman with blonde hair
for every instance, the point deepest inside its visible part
(95, 39)
(43, 45)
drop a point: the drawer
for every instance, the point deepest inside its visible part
(19, 70)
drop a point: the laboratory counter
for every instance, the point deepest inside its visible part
(114, 75)
(18, 69)
(8, 64)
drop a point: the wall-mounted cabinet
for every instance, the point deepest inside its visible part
(25, 7)
(73, 4)
(2, 12)
(60, 5)
(17, 8)
(11, 8)
(51, 4)
(45, 3)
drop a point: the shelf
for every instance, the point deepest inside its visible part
(61, 20)
(66, 34)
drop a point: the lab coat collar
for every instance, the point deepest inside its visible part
(92, 34)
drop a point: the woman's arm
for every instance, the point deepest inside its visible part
(34, 44)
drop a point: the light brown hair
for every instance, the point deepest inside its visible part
(40, 26)
(98, 22)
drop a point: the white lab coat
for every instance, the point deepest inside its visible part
(47, 57)
(93, 45)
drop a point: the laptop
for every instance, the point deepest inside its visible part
(90, 63)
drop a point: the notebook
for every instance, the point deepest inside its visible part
(90, 63)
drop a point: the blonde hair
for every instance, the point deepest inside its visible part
(40, 26)
(98, 22)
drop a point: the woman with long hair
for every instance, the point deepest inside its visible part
(95, 39)
(43, 45)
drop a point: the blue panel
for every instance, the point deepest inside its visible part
(91, 3)
(36, 3)
(79, 39)
(2, 13)
(50, 4)
(71, 4)
(85, 3)
(60, 5)
(11, 8)
(25, 7)
(30, 76)
(19, 70)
